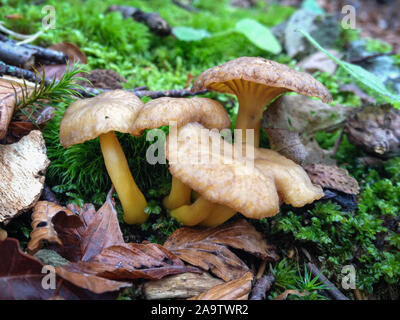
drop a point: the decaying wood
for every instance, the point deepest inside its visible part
(333, 291)
(261, 287)
(237, 289)
(22, 171)
(180, 286)
(376, 130)
(17, 55)
(40, 55)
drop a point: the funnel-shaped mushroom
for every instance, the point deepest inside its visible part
(162, 111)
(253, 185)
(99, 117)
(256, 82)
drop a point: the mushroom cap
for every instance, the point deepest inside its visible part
(223, 78)
(253, 190)
(160, 112)
(86, 119)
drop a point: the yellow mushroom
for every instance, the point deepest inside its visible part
(256, 82)
(100, 116)
(253, 184)
(165, 111)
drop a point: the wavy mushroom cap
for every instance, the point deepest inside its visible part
(255, 190)
(86, 119)
(160, 112)
(238, 76)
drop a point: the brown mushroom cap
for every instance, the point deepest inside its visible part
(255, 191)
(234, 76)
(160, 112)
(86, 119)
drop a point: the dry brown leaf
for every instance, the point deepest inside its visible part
(208, 248)
(237, 289)
(10, 92)
(3, 234)
(46, 215)
(132, 261)
(75, 55)
(97, 248)
(332, 177)
(21, 279)
(286, 293)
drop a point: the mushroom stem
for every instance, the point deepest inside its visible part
(191, 215)
(132, 200)
(252, 101)
(218, 216)
(179, 195)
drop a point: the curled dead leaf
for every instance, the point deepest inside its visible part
(208, 248)
(10, 92)
(46, 215)
(237, 289)
(132, 261)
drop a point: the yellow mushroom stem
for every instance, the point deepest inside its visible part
(253, 98)
(191, 215)
(218, 216)
(179, 195)
(132, 200)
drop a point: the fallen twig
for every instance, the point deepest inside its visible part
(333, 291)
(153, 20)
(185, 6)
(41, 55)
(261, 287)
(90, 92)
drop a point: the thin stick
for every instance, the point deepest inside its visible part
(333, 291)
(261, 287)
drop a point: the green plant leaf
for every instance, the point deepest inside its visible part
(365, 77)
(190, 34)
(259, 35)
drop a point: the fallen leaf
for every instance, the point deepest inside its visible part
(96, 248)
(45, 216)
(75, 55)
(132, 261)
(319, 62)
(208, 248)
(21, 278)
(3, 234)
(10, 92)
(22, 170)
(286, 293)
(237, 289)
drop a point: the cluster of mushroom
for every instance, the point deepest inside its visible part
(220, 187)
